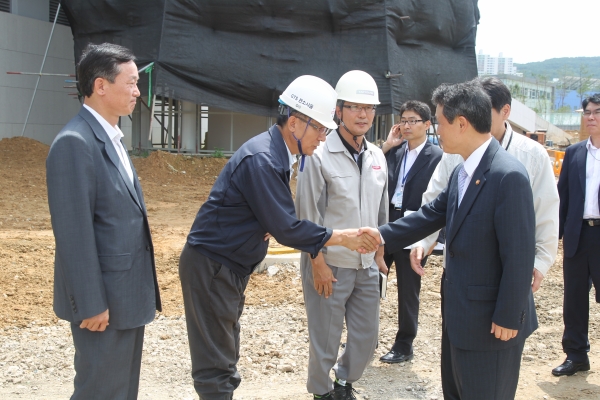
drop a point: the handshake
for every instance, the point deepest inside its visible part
(364, 240)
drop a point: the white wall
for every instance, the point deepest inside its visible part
(521, 116)
(228, 131)
(38, 9)
(23, 41)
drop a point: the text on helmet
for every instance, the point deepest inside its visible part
(301, 101)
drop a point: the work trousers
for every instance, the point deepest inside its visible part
(107, 364)
(213, 297)
(579, 272)
(355, 298)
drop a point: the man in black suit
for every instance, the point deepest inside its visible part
(410, 166)
(490, 248)
(579, 226)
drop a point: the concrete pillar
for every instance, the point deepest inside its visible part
(140, 125)
(189, 125)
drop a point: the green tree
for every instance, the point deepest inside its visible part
(516, 92)
(542, 98)
(563, 109)
(563, 85)
(585, 81)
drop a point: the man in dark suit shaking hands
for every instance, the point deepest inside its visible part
(487, 209)
(104, 274)
(579, 227)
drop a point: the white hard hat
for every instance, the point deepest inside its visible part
(313, 97)
(357, 87)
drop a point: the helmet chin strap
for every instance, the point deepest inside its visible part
(299, 142)
(354, 137)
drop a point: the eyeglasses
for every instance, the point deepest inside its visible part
(320, 129)
(596, 112)
(409, 121)
(355, 109)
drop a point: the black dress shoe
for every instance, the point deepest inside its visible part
(394, 357)
(569, 368)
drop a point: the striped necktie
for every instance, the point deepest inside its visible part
(462, 177)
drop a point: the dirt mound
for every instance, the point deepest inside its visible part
(162, 167)
(21, 151)
(23, 198)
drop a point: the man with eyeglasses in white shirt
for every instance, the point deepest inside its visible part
(344, 184)
(579, 226)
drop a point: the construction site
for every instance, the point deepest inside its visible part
(36, 352)
(179, 137)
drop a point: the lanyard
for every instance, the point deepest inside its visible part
(509, 141)
(405, 171)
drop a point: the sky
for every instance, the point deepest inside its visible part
(537, 30)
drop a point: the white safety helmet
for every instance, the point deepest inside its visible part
(358, 87)
(313, 97)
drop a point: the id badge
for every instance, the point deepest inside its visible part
(398, 198)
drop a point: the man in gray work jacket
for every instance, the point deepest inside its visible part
(343, 185)
(251, 198)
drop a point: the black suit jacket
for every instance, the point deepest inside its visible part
(571, 190)
(490, 251)
(417, 179)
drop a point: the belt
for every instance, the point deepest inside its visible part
(592, 222)
(393, 207)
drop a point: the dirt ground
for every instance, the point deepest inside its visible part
(174, 187)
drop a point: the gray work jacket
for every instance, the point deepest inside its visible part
(332, 192)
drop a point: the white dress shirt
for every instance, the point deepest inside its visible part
(115, 135)
(471, 163)
(592, 182)
(543, 185)
(407, 162)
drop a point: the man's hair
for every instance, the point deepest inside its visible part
(498, 92)
(100, 61)
(283, 118)
(595, 98)
(418, 107)
(467, 99)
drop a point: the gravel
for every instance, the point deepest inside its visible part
(37, 361)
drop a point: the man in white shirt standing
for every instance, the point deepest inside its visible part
(580, 229)
(104, 273)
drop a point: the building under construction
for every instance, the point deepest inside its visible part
(212, 71)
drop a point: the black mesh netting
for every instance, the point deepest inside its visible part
(241, 54)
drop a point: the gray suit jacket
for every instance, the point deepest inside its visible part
(490, 251)
(104, 257)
